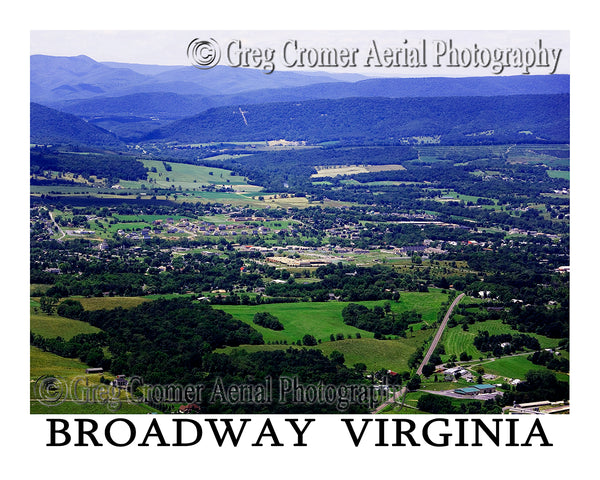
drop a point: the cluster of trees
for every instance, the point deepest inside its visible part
(350, 283)
(550, 360)
(438, 404)
(293, 168)
(267, 320)
(87, 347)
(551, 322)
(380, 320)
(485, 342)
(538, 385)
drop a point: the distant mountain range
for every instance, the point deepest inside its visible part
(132, 100)
(55, 79)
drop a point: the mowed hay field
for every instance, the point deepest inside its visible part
(516, 367)
(333, 171)
(375, 354)
(108, 303)
(456, 340)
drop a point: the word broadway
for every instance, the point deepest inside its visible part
(279, 432)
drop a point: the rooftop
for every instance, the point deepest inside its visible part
(483, 386)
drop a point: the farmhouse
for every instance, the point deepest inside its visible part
(455, 370)
(189, 408)
(120, 382)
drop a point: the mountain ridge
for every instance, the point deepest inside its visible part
(60, 78)
(49, 126)
(379, 119)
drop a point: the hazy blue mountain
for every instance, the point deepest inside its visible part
(58, 78)
(163, 105)
(65, 78)
(235, 80)
(131, 100)
(438, 87)
(49, 126)
(142, 68)
(171, 106)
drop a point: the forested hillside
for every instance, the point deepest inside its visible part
(49, 126)
(457, 119)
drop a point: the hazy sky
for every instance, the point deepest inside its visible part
(163, 47)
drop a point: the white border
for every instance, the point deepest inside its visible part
(574, 435)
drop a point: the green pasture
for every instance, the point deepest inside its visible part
(52, 326)
(321, 319)
(46, 363)
(559, 174)
(75, 384)
(516, 367)
(188, 177)
(375, 354)
(456, 340)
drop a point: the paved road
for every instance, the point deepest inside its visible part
(394, 399)
(60, 230)
(438, 335)
(436, 339)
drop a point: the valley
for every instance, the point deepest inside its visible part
(323, 238)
